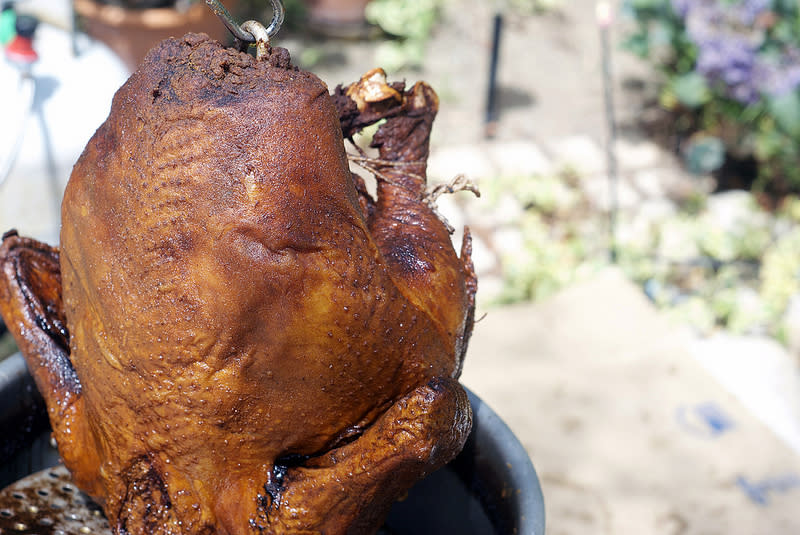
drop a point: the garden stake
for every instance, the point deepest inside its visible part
(491, 93)
(604, 22)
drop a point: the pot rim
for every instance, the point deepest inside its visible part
(496, 460)
(516, 474)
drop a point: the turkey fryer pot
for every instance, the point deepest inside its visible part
(491, 488)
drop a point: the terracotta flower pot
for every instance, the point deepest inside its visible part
(338, 18)
(131, 33)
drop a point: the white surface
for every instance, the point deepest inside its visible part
(761, 374)
(72, 98)
(55, 12)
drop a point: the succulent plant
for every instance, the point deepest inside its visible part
(732, 74)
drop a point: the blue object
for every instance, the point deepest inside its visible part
(705, 419)
(758, 491)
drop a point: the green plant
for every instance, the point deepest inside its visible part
(740, 275)
(532, 7)
(731, 72)
(410, 23)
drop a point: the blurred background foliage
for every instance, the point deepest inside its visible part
(731, 71)
(409, 24)
(717, 262)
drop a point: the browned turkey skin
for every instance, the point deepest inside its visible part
(235, 337)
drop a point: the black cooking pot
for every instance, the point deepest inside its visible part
(491, 488)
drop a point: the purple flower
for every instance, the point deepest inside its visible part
(729, 59)
(749, 10)
(742, 11)
(728, 48)
(681, 7)
(726, 57)
(776, 76)
(744, 93)
(704, 19)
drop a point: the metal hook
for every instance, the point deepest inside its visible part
(261, 35)
(250, 31)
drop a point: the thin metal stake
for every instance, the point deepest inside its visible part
(491, 93)
(604, 21)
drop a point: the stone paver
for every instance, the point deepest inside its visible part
(580, 153)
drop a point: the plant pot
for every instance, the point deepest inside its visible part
(338, 18)
(131, 33)
(491, 488)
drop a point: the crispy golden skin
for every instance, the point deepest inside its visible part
(255, 345)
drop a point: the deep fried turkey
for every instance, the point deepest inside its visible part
(245, 340)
